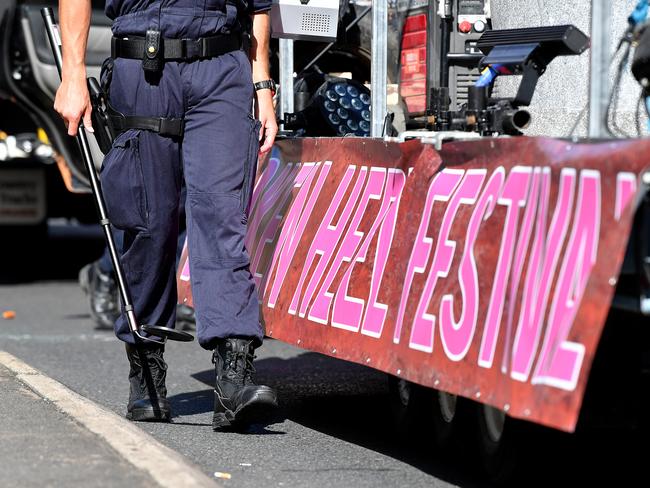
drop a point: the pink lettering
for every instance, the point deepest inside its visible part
(265, 178)
(375, 315)
(441, 189)
(185, 272)
(560, 360)
(541, 269)
(625, 190)
(294, 227)
(456, 336)
(520, 257)
(266, 199)
(513, 197)
(347, 311)
(327, 238)
(266, 213)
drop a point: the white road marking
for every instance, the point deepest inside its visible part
(165, 466)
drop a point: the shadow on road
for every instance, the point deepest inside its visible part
(346, 401)
(352, 403)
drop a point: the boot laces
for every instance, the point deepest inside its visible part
(250, 369)
(238, 366)
(158, 367)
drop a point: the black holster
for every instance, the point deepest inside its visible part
(108, 123)
(101, 123)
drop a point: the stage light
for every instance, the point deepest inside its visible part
(340, 107)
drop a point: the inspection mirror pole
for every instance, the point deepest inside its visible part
(599, 85)
(378, 69)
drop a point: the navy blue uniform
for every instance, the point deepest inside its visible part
(217, 155)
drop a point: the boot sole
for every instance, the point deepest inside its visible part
(260, 409)
(148, 415)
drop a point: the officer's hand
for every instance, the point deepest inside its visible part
(72, 101)
(266, 115)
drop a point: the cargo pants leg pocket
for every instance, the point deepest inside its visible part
(123, 184)
(250, 167)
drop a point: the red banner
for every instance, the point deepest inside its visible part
(485, 270)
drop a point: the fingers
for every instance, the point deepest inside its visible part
(72, 119)
(73, 105)
(73, 124)
(88, 121)
(270, 133)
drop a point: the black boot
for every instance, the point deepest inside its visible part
(148, 393)
(102, 293)
(238, 402)
(185, 318)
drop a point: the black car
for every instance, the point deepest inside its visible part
(41, 173)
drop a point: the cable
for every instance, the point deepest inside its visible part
(637, 17)
(583, 112)
(579, 119)
(614, 99)
(637, 114)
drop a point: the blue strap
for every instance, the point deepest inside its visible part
(640, 13)
(488, 75)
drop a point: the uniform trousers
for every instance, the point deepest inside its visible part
(141, 177)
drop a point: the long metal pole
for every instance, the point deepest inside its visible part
(599, 85)
(52, 33)
(286, 76)
(166, 332)
(379, 69)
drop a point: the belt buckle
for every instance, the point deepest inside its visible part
(203, 47)
(193, 48)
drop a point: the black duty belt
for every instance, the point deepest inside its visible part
(177, 49)
(163, 126)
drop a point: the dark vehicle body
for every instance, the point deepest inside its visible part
(45, 179)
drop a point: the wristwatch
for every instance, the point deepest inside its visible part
(264, 85)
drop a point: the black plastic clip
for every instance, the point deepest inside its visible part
(153, 56)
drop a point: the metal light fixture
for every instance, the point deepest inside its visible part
(340, 107)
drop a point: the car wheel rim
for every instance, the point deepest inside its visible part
(494, 422)
(404, 391)
(447, 404)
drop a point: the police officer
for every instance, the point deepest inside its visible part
(185, 74)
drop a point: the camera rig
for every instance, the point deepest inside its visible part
(524, 52)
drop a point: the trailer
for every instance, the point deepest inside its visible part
(479, 270)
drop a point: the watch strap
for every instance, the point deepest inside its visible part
(265, 84)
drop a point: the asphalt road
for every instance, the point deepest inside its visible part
(334, 428)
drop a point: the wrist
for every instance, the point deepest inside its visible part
(257, 77)
(74, 72)
(264, 96)
(267, 85)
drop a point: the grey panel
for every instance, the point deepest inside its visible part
(562, 92)
(46, 75)
(99, 42)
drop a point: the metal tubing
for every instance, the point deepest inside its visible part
(329, 46)
(53, 36)
(379, 68)
(445, 41)
(286, 76)
(599, 71)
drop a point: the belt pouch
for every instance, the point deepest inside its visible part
(153, 57)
